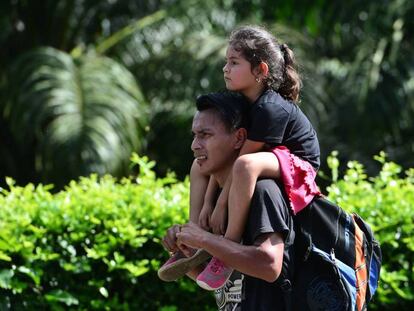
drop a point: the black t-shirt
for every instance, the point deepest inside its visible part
(268, 213)
(278, 122)
(228, 298)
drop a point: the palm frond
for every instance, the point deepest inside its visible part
(85, 115)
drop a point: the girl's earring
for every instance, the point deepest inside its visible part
(258, 80)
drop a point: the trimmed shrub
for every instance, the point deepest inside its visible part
(94, 246)
(386, 201)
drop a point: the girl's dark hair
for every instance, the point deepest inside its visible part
(258, 45)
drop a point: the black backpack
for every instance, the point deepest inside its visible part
(338, 260)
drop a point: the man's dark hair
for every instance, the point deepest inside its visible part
(231, 107)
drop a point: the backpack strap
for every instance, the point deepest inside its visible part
(303, 237)
(286, 287)
(360, 267)
(303, 246)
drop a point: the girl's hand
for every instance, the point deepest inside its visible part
(204, 217)
(218, 219)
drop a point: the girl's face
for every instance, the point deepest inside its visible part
(238, 74)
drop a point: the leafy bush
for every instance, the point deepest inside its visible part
(96, 245)
(386, 201)
(93, 246)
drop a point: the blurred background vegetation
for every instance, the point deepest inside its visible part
(84, 83)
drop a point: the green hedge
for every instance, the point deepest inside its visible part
(386, 201)
(96, 245)
(93, 246)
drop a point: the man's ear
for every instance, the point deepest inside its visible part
(240, 136)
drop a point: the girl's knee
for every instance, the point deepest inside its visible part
(244, 165)
(253, 165)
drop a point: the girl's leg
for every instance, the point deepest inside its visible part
(198, 187)
(246, 170)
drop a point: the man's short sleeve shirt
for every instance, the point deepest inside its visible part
(268, 213)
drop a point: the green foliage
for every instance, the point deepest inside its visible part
(363, 73)
(82, 114)
(386, 202)
(355, 58)
(96, 244)
(93, 246)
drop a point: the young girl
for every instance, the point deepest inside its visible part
(281, 144)
(281, 141)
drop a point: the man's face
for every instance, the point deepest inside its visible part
(215, 147)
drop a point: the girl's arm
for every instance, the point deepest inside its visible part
(218, 219)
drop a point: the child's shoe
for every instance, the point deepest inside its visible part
(178, 265)
(167, 265)
(215, 275)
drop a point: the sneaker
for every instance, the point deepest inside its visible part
(215, 275)
(178, 265)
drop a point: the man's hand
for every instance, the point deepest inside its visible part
(169, 241)
(171, 244)
(192, 235)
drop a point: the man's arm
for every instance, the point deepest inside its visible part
(262, 260)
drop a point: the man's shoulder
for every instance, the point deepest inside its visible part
(270, 207)
(267, 184)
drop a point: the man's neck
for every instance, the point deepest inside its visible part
(221, 176)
